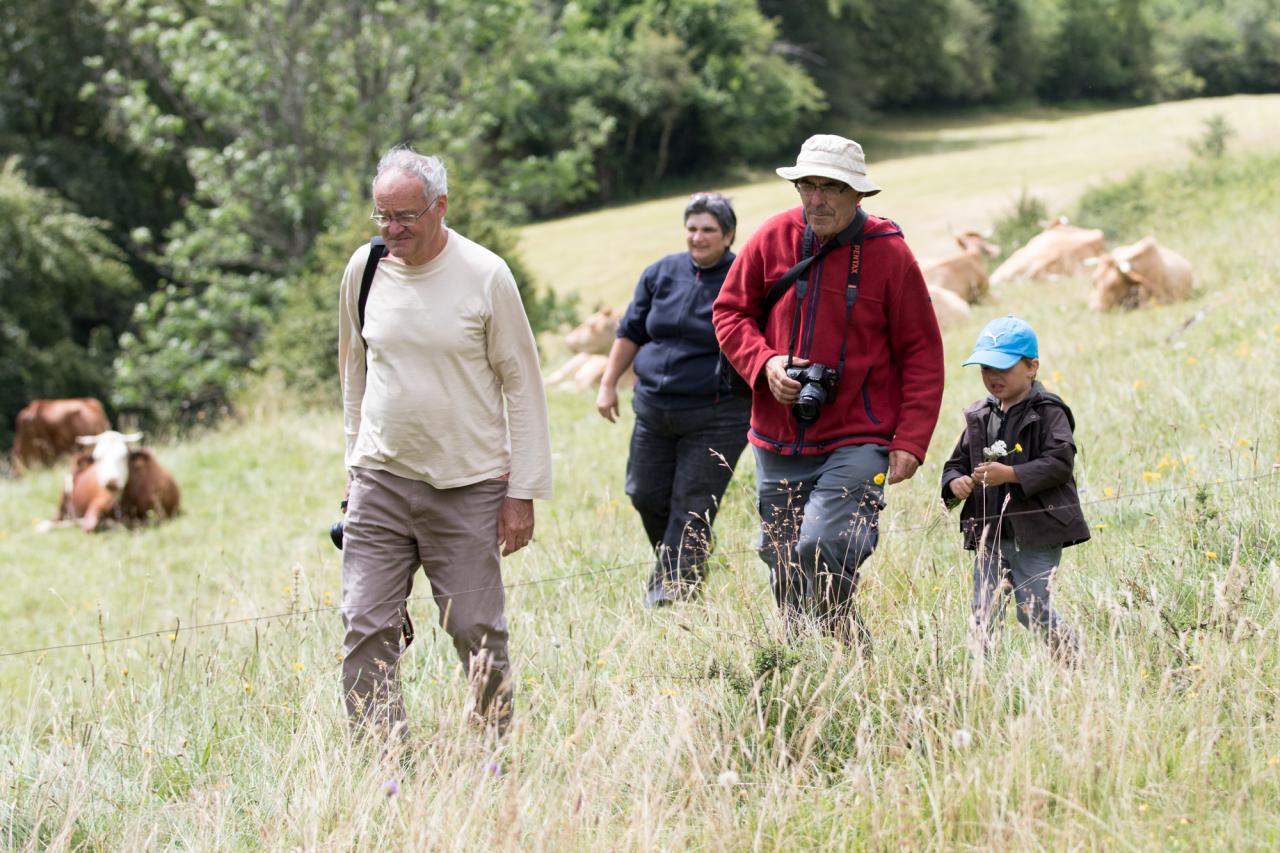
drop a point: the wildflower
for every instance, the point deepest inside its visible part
(1102, 526)
(1242, 442)
(1108, 492)
(1164, 462)
(493, 768)
(961, 739)
(391, 787)
(173, 637)
(600, 661)
(937, 588)
(1193, 694)
(248, 688)
(1057, 376)
(286, 589)
(668, 691)
(1186, 459)
(1273, 761)
(995, 451)
(124, 670)
(727, 779)
(299, 666)
(1138, 384)
(1142, 807)
(1150, 476)
(878, 479)
(1191, 359)
(1211, 555)
(1195, 667)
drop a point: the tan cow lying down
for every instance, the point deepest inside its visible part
(964, 272)
(115, 482)
(590, 343)
(949, 308)
(46, 429)
(1138, 275)
(1060, 249)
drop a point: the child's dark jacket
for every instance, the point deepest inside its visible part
(1044, 507)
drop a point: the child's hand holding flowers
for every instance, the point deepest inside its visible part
(994, 474)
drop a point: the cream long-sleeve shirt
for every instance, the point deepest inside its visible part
(448, 344)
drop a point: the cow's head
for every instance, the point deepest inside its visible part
(1116, 284)
(976, 244)
(111, 456)
(596, 333)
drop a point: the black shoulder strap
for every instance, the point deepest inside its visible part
(377, 248)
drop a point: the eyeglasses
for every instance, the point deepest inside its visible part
(707, 196)
(385, 219)
(808, 188)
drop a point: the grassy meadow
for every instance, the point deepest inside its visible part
(697, 727)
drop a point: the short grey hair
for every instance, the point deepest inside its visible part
(430, 170)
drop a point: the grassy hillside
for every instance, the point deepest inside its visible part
(937, 175)
(696, 727)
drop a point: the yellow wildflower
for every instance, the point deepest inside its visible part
(299, 666)
(1164, 462)
(1273, 761)
(1017, 448)
(1138, 384)
(600, 662)
(286, 589)
(1186, 459)
(1102, 526)
(1243, 442)
(1142, 807)
(1057, 376)
(878, 479)
(1211, 555)
(124, 671)
(1108, 492)
(1195, 667)
(248, 688)
(1150, 476)
(937, 588)
(173, 637)
(667, 691)
(1191, 359)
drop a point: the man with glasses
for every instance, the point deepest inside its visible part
(826, 315)
(447, 443)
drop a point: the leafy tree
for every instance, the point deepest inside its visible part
(64, 289)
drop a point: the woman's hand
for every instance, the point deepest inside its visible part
(994, 474)
(607, 402)
(961, 487)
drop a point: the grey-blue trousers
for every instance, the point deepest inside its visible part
(819, 519)
(1002, 567)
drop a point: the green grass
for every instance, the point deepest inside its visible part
(697, 727)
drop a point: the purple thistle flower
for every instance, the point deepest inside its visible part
(391, 787)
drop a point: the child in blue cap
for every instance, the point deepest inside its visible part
(1012, 467)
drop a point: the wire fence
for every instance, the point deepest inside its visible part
(178, 628)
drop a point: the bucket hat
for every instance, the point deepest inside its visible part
(828, 156)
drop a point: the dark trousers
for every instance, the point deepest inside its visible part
(680, 465)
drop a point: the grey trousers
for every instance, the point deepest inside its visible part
(819, 519)
(394, 525)
(1003, 567)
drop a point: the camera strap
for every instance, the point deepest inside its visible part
(377, 248)
(851, 236)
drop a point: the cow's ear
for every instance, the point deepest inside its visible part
(87, 440)
(132, 438)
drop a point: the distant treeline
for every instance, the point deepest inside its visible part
(182, 182)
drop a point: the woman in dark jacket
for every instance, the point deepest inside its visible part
(689, 429)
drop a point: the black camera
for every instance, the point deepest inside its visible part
(335, 531)
(817, 386)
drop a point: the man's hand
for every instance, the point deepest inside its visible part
(607, 402)
(784, 389)
(994, 474)
(515, 524)
(961, 487)
(902, 466)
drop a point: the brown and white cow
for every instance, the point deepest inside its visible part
(590, 343)
(1060, 249)
(1138, 275)
(963, 273)
(46, 430)
(117, 482)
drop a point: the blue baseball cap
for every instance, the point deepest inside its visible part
(1003, 342)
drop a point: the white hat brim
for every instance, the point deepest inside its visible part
(861, 183)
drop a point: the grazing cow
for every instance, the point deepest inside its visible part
(963, 273)
(590, 343)
(1138, 275)
(116, 482)
(46, 429)
(1060, 249)
(949, 308)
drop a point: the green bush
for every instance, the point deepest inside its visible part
(1024, 221)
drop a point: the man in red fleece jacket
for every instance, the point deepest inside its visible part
(846, 372)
